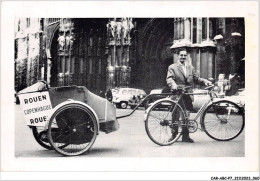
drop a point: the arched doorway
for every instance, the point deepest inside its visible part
(54, 59)
(155, 36)
(81, 59)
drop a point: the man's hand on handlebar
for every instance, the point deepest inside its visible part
(174, 87)
(209, 86)
(208, 83)
(180, 87)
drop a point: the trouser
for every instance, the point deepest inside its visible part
(187, 102)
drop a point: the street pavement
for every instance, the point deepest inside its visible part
(131, 140)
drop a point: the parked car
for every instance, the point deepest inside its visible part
(198, 100)
(238, 98)
(121, 96)
(155, 96)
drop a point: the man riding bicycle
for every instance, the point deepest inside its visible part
(184, 74)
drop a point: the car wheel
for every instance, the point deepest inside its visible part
(123, 105)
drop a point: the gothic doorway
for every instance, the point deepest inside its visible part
(78, 54)
(54, 60)
(154, 55)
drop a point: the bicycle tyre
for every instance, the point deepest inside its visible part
(74, 125)
(160, 115)
(223, 128)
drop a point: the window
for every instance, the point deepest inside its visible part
(178, 28)
(72, 65)
(19, 25)
(175, 29)
(67, 65)
(15, 48)
(181, 28)
(124, 92)
(204, 28)
(41, 24)
(81, 65)
(194, 31)
(28, 22)
(53, 20)
(134, 92)
(220, 26)
(142, 92)
(62, 61)
(208, 28)
(99, 66)
(90, 66)
(212, 28)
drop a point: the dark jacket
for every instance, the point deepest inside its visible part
(176, 75)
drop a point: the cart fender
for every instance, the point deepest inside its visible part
(148, 109)
(221, 99)
(71, 101)
(216, 101)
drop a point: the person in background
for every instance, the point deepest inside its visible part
(109, 95)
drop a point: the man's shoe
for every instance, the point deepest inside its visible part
(188, 140)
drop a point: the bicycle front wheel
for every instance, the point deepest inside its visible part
(75, 126)
(223, 120)
(163, 122)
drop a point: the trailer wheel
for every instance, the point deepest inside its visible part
(74, 125)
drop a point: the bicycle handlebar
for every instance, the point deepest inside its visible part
(181, 88)
(210, 86)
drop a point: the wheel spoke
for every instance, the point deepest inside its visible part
(159, 120)
(227, 122)
(62, 135)
(73, 135)
(65, 123)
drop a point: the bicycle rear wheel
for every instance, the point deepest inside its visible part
(163, 122)
(75, 126)
(223, 120)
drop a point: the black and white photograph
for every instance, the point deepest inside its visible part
(130, 91)
(114, 67)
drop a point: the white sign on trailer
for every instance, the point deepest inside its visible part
(36, 107)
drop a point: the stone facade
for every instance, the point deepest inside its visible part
(118, 45)
(105, 53)
(27, 52)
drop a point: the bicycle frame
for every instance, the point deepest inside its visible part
(200, 111)
(146, 98)
(170, 94)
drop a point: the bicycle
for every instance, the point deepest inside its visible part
(221, 120)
